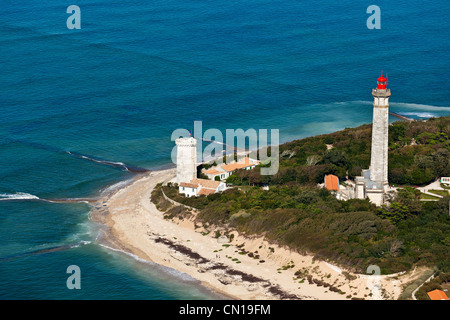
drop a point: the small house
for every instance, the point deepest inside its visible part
(197, 187)
(437, 295)
(332, 182)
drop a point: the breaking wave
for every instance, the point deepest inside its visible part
(419, 114)
(118, 165)
(416, 106)
(115, 186)
(22, 196)
(17, 196)
(404, 105)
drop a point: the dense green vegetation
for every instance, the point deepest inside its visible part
(296, 213)
(419, 152)
(352, 233)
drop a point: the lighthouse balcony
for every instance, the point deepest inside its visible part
(365, 180)
(381, 92)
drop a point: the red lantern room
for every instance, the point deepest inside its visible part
(381, 82)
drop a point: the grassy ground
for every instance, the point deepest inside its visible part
(427, 196)
(439, 192)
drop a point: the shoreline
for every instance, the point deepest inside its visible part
(131, 223)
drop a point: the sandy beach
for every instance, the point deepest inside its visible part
(133, 224)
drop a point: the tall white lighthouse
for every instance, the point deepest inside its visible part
(380, 127)
(373, 183)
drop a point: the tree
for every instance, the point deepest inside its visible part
(397, 175)
(441, 162)
(313, 160)
(395, 213)
(410, 198)
(420, 176)
(234, 180)
(335, 157)
(397, 131)
(306, 196)
(354, 172)
(423, 162)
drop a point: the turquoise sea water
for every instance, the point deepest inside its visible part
(116, 89)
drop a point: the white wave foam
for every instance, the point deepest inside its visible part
(114, 163)
(405, 105)
(81, 243)
(106, 162)
(115, 186)
(128, 254)
(422, 107)
(78, 200)
(17, 196)
(419, 114)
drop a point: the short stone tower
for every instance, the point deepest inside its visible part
(186, 159)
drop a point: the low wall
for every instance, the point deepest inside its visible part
(175, 202)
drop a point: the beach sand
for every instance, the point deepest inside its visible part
(133, 224)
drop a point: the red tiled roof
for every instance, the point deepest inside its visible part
(244, 163)
(206, 192)
(437, 295)
(332, 182)
(205, 183)
(213, 171)
(189, 185)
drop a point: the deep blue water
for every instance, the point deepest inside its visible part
(118, 88)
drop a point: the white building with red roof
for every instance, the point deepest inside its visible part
(197, 187)
(226, 170)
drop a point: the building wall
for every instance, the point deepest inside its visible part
(360, 193)
(221, 187)
(193, 192)
(186, 159)
(212, 176)
(225, 175)
(375, 197)
(189, 192)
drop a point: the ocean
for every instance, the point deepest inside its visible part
(79, 108)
